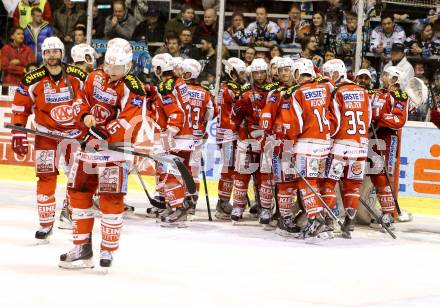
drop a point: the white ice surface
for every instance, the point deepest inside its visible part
(216, 264)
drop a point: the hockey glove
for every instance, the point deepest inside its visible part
(94, 138)
(19, 142)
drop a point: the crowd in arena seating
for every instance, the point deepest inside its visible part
(316, 30)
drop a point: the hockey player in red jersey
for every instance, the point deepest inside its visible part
(312, 143)
(112, 107)
(48, 92)
(199, 110)
(389, 115)
(227, 132)
(347, 160)
(276, 120)
(246, 112)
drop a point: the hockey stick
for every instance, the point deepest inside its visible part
(153, 202)
(202, 162)
(393, 192)
(377, 218)
(320, 199)
(185, 174)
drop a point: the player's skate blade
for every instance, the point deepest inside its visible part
(43, 234)
(265, 216)
(79, 257)
(313, 232)
(287, 228)
(236, 215)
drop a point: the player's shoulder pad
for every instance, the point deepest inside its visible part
(245, 87)
(271, 86)
(34, 76)
(76, 72)
(373, 91)
(399, 95)
(292, 89)
(232, 86)
(134, 84)
(166, 87)
(321, 80)
(205, 87)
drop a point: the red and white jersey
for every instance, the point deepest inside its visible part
(50, 100)
(171, 96)
(352, 113)
(390, 109)
(226, 128)
(252, 101)
(118, 107)
(199, 109)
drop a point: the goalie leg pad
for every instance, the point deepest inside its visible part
(174, 191)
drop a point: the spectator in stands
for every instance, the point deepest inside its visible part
(346, 40)
(121, 23)
(188, 49)
(207, 27)
(385, 35)
(98, 22)
(23, 15)
(436, 90)
(138, 8)
(261, 32)
(309, 47)
(329, 54)
(366, 64)
(14, 58)
(79, 35)
(317, 29)
(292, 29)
(172, 45)
(274, 51)
(249, 55)
(234, 34)
(424, 43)
(186, 19)
(399, 59)
(335, 16)
(66, 18)
(209, 58)
(419, 70)
(36, 32)
(262, 55)
(150, 30)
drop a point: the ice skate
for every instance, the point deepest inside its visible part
(153, 212)
(329, 226)
(175, 219)
(236, 214)
(265, 218)
(254, 210)
(79, 257)
(128, 209)
(190, 202)
(313, 232)
(42, 235)
(287, 228)
(65, 217)
(164, 213)
(105, 261)
(223, 210)
(388, 221)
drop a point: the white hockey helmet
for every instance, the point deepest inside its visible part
(274, 61)
(332, 66)
(177, 61)
(305, 66)
(234, 64)
(161, 63)
(119, 53)
(51, 43)
(284, 62)
(79, 52)
(192, 66)
(394, 72)
(259, 65)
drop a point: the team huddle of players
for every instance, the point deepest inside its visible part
(294, 131)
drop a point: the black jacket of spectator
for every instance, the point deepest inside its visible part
(203, 30)
(98, 26)
(191, 51)
(149, 33)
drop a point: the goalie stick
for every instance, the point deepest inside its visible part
(185, 174)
